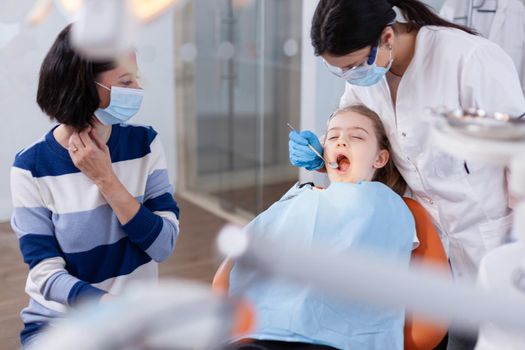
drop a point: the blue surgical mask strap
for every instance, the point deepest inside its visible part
(372, 58)
(373, 55)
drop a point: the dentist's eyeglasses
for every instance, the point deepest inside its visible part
(353, 72)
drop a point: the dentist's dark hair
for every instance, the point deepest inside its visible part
(340, 27)
(66, 86)
(388, 175)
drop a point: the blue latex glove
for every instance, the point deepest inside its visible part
(300, 154)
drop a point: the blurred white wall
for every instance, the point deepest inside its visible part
(22, 50)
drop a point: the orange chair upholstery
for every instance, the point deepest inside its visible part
(419, 333)
(221, 280)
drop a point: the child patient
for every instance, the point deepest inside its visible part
(361, 209)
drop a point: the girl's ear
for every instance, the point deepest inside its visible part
(381, 159)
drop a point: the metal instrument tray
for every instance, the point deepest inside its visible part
(477, 123)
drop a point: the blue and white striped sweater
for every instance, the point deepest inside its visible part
(69, 236)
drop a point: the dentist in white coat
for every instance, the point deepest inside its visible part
(401, 68)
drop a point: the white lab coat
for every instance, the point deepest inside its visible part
(505, 27)
(454, 69)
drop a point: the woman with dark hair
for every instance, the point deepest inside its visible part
(93, 205)
(398, 58)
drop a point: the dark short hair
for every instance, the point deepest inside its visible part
(340, 27)
(66, 88)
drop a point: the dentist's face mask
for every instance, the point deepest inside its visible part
(124, 104)
(366, 74)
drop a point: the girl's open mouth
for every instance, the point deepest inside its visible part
(343, 162)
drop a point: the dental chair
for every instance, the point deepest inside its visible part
(419, 334)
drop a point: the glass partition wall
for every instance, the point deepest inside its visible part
(237, 84)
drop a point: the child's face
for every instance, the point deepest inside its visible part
(352, 143)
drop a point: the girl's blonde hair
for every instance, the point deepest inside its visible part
(389, 175)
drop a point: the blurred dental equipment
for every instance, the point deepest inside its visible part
(332, 165)
(478, 123)
(172, 315)
(104, 29)
(39, 11)
(372, 279)
(497, 139)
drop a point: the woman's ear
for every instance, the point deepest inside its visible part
(381, 159)
(387, 36)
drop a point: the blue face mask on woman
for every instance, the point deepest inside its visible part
(366, 74)
(124, 104)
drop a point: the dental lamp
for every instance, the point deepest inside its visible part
(144, 10)
(104, 29)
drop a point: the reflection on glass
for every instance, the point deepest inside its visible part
(235, 97)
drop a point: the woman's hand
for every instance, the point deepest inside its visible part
(91, 156)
